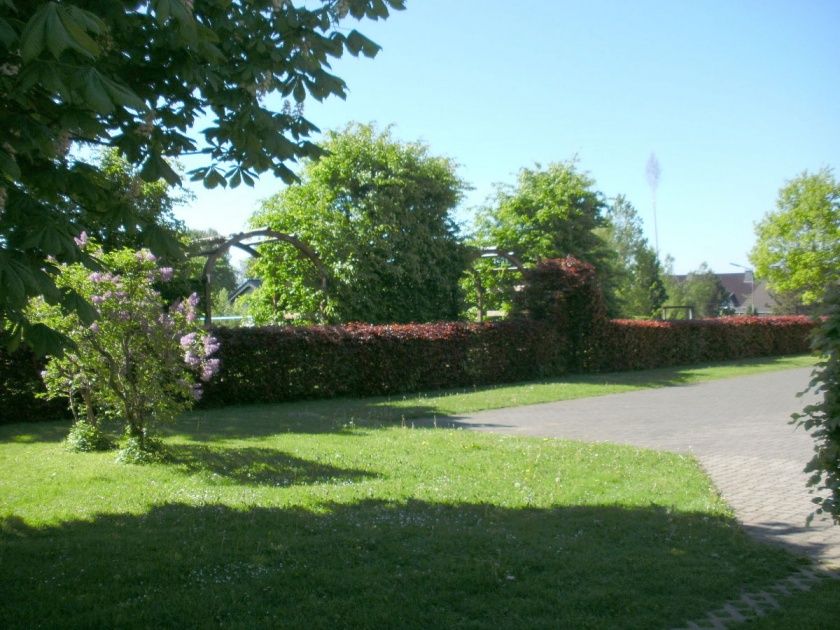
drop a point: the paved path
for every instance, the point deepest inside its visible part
(737, 428)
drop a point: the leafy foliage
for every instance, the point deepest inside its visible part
(85, 437)
(129, 360)
(137, 77)
(641, 345)
(276, 364)
(636, 271)
(552, 212)
(701, 289)
(797, 247)
(822, 418)
(377, 212)
(566, 293)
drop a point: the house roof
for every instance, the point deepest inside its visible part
(246, 287)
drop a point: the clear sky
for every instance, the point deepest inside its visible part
(733, 96)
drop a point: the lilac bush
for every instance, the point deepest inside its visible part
(137, 362)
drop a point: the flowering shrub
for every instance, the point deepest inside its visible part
(131, 360)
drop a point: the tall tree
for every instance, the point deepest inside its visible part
(700, 289)
(552, 212)
(797, 247)
(378, 213)
(138, 76)
(133, 205)
(639, 289)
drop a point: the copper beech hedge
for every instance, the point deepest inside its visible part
(276, 364)
(282, 364)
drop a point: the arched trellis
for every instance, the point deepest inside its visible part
(489, 252)
(215, 247)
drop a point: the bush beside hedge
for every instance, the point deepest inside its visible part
(20, 385)
(276, 364)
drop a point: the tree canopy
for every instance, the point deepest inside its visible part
(552, 212)
(139, 76)
(798, 245)
(377, 211)
(637, 281)
(700, 289)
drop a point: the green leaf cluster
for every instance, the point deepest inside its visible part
(377, 211)
(139, 77)
(552, 212)
(635, 272)
(822, 418)
(797, 246)
(700, 289)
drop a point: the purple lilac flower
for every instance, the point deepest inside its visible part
(197, 392)
(94, 327)
(193, 299)
(211, 345)
(209, 369)
(97, 299)
(81, 240)
(192, 359)
(96, 277)
(187, 340)
(166, 273)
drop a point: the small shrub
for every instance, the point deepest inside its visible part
(137, 451)
(86, 438)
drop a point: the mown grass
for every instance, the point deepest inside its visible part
(317, 515)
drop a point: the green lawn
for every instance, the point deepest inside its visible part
(339, 514)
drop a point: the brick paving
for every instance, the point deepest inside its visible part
(736, 428)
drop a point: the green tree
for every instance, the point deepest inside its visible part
(378, 213)
(637, 274)
(138, 76)
(132, 206)
(797, 247)
(552, 212)
(700, 289)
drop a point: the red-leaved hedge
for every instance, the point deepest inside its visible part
(278, 364)
(288, 363)
(639, 345)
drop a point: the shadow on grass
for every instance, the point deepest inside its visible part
(257, 466)
(378, 564)
(31, 432)
(339, 415)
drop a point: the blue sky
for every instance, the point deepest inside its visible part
(734, 97)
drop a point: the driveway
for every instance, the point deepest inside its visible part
(736, 428)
